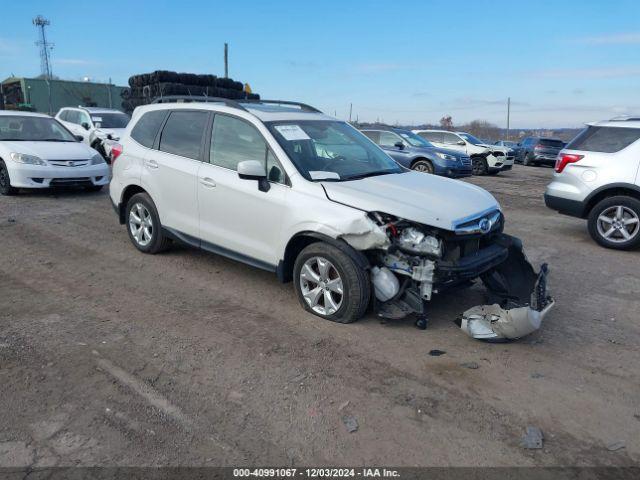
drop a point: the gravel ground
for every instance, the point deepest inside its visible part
(112, 357)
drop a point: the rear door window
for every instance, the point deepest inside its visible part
(183, 132)
(144, 132)
(373, 135)
(388, 139)
(604, 139)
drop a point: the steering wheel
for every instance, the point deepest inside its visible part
(331, 161)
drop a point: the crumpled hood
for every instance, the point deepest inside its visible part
(495, 148)
(52, 150)
(428, 199)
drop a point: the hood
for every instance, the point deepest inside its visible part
(52, 150)
(495, 148)
(449, 151)
(433, 150)
(428, 199)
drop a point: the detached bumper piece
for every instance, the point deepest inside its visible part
(518, 300)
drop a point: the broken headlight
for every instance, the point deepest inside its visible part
(415, 242)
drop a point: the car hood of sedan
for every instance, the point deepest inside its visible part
(419, 197)
(52, 150)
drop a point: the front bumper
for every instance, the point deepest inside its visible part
(454, 172)
(37, 176)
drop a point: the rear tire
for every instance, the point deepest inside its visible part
(5, 181)
(330, 284)
(613, 219)
(422, 166)
(143, 225)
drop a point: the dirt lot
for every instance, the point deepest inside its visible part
(109, 356)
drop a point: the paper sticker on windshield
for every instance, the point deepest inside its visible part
(322, 175)
(292, 133)
(96, 119)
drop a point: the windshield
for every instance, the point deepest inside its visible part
(471, 139)
(110, 120)
(23, 128)
(331, 150)
(415, 140)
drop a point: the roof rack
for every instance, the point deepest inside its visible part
(197, 98)
(303, 106)
(625, 118)
(232, 103)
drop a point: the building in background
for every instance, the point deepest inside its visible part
(48, 96)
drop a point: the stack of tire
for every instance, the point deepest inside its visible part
(146, 87)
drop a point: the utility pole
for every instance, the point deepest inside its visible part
(350, 110)
(508, 115)
(226, 60)
(109, 89)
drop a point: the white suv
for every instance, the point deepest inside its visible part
(485, 159)
(596, 177)
(98, 127)
(285, 188)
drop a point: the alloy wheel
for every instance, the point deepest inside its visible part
(618, 224)
(321, 286)
(423, 167)
(141, 224)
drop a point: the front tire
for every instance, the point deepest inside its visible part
(422, 166)
(143, 224)
(479, 166)
(526, 162)
(5, 181)
(615, 223)
(330, 284)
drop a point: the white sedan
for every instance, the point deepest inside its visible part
(37, 151)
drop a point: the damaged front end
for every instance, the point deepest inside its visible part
(410, 262)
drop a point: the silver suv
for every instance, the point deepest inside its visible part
(596, 177)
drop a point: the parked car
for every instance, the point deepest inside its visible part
(414, 152)
(539, 151)
(485, 159)
(98, 127)
(285, 188)
(36, 151)
(506, 143)
(596, 177)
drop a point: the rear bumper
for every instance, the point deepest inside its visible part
(547, 159)
(566, 206)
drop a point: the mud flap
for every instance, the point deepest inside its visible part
(518, 299)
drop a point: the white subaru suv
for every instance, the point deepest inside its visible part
(485, 158)
(597, 177)
(283, 187)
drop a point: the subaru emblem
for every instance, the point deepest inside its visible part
(70, 164)
(485, 225)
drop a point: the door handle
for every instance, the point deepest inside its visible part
(151, 164)
(207, 182)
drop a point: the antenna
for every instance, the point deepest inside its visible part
(45, 47)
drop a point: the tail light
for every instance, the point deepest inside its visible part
(116, 150)
(538, 147)
(565, 159)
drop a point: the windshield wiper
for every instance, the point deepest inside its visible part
(52, 140)
(13, 140)
(369, 174)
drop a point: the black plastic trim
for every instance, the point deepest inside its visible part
(565, 206)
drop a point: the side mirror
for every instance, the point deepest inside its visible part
(399, 145)
(85, 125)
(254, 170)
(78, 138)
(461, 143)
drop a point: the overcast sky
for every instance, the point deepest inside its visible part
(562, 63)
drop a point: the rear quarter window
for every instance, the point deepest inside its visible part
(604, 139)
(551, 143)
(144, 132)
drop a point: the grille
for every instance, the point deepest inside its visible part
(466, 161)
(498, 154)
(70, 182)
(69, 163)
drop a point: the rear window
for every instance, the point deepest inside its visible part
(145, 131)
(547, 142)
(604, 139)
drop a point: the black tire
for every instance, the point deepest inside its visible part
(479, 166)
(158, 242)
(94, 188)
(5, 181)
(422, 165)
(356, 291)
(630, 206)
(525, 161)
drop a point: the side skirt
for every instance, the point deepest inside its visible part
(218, 250)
